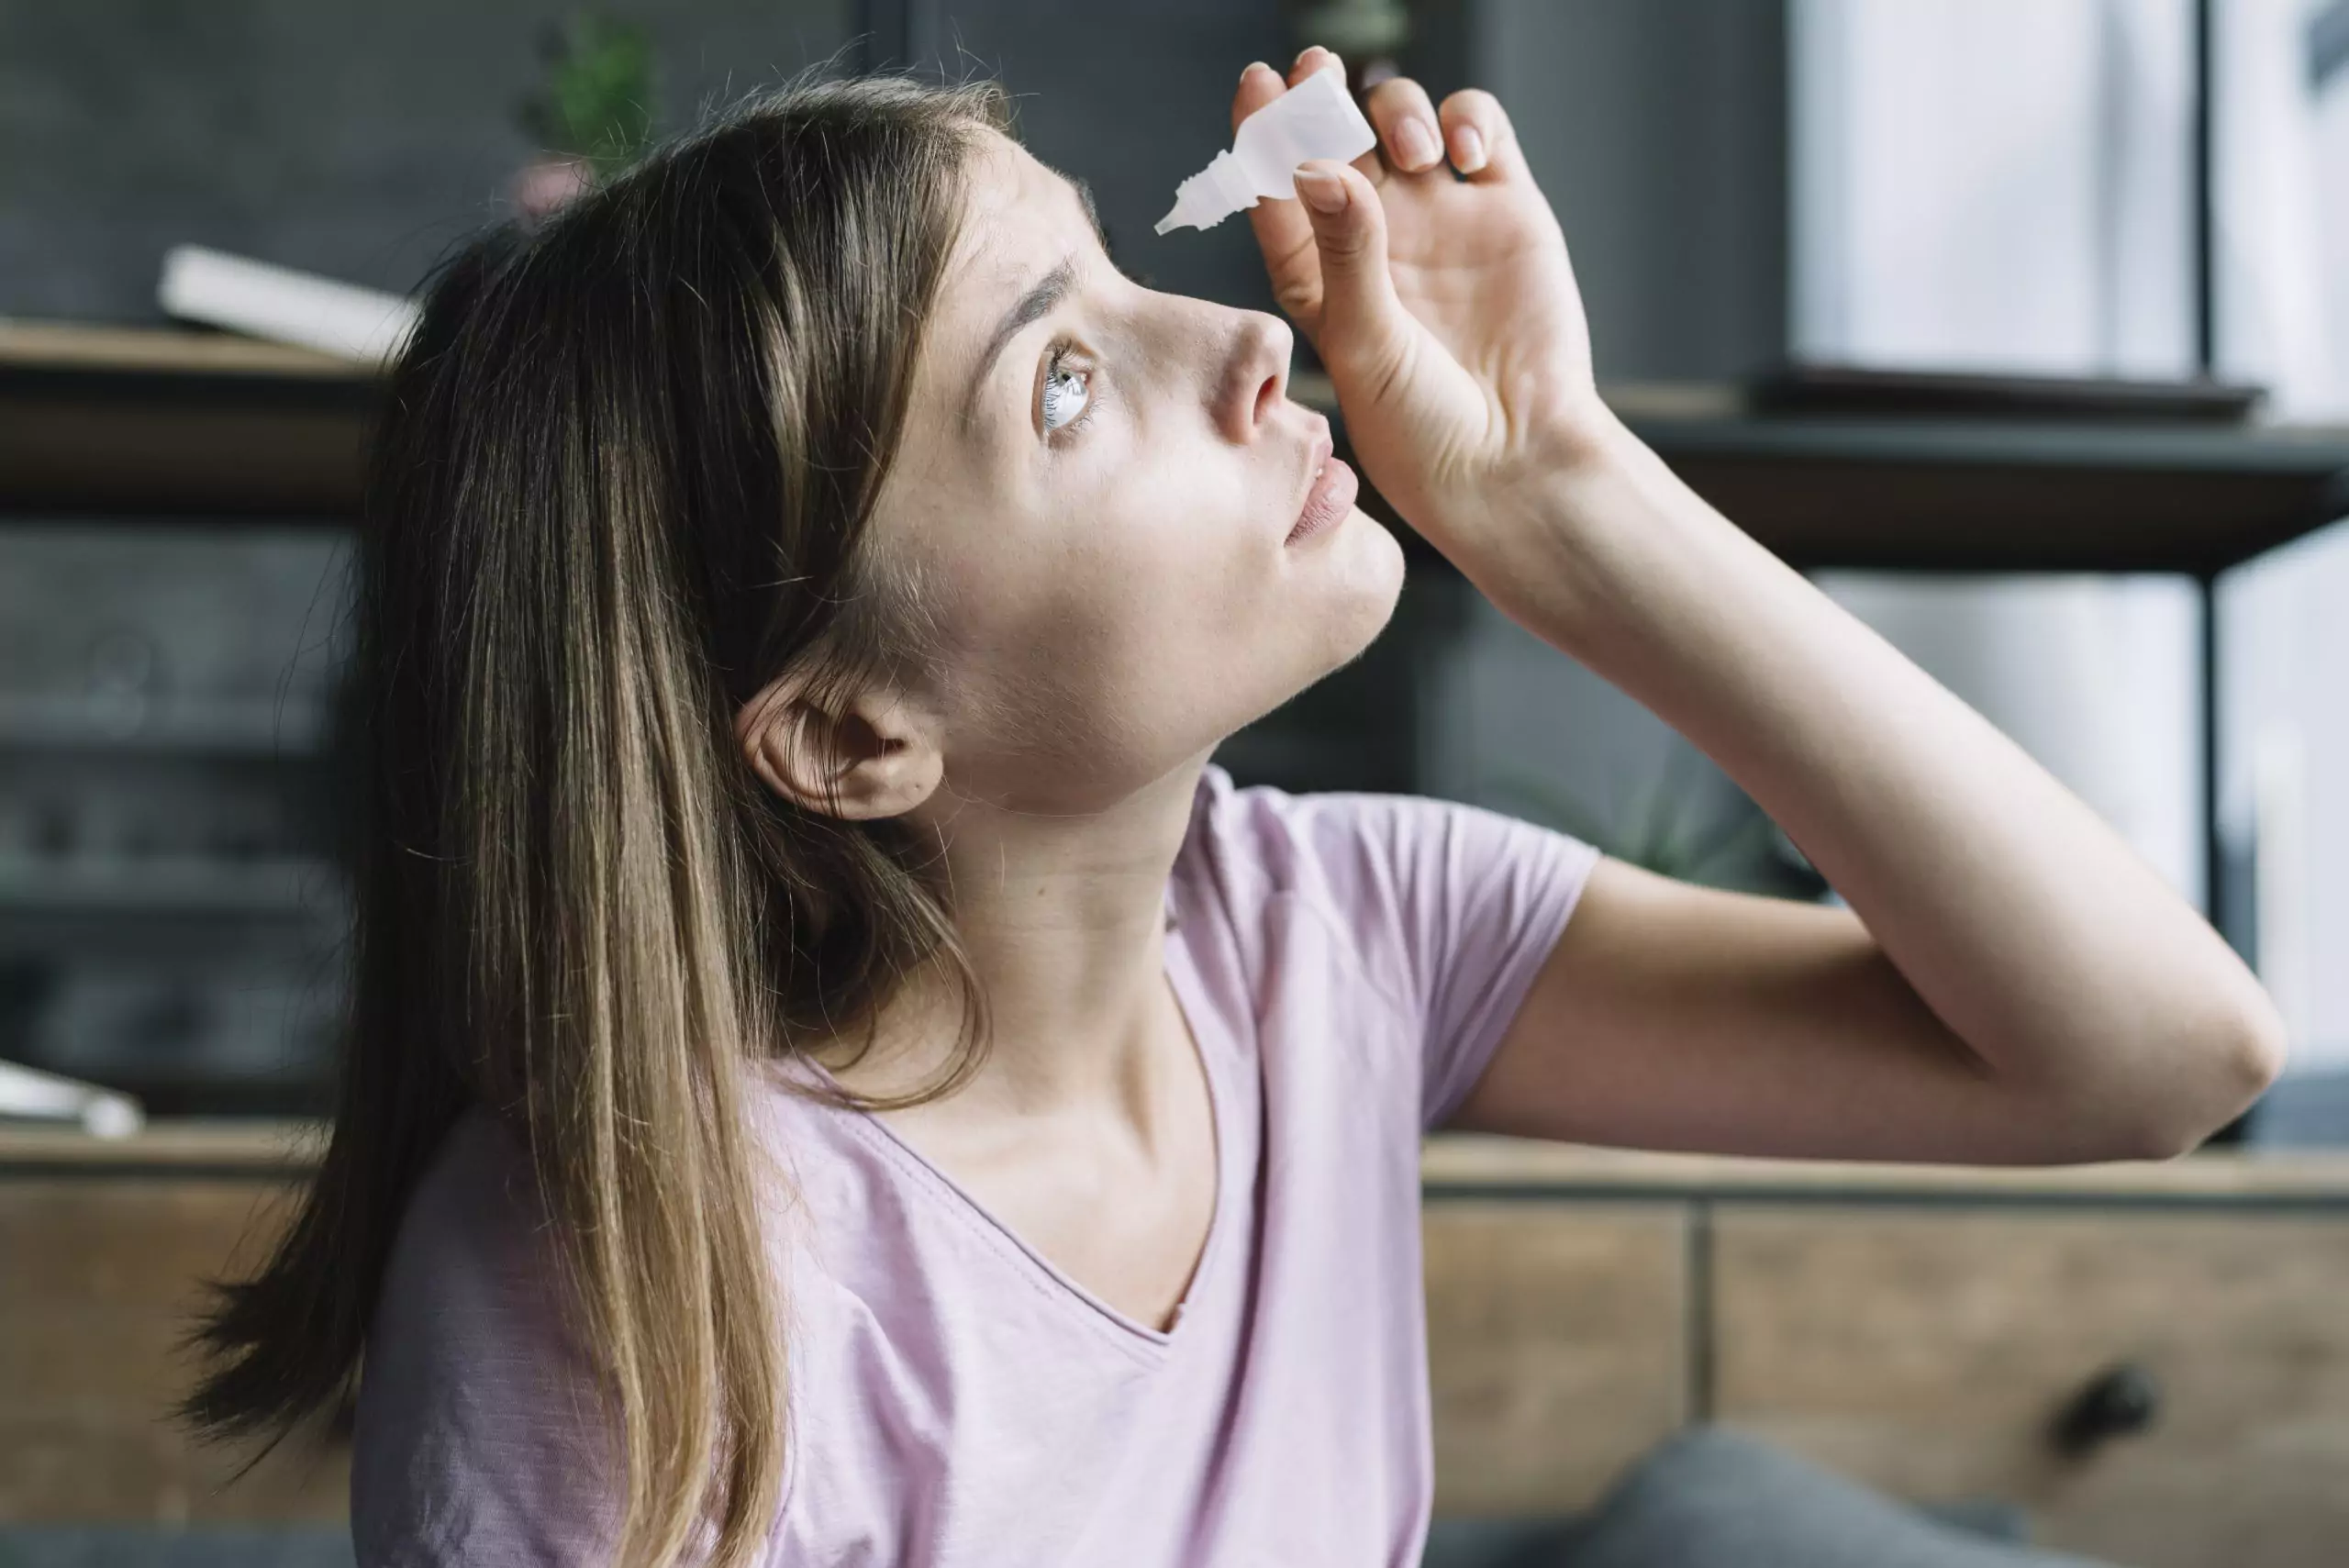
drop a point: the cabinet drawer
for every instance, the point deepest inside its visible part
(1557, 1347)
(97, 1276)
(1929, 1352)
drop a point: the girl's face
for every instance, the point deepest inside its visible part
(1096, 488)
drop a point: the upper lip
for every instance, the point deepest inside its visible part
(1317, 457)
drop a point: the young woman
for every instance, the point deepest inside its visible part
(839, 1077)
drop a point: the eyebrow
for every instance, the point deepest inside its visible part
(1038, 302)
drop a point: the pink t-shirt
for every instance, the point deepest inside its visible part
(1347, 962)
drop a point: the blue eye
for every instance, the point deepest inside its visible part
(1064, 393)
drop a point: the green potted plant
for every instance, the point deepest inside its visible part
(593, 113)
(1671, 837)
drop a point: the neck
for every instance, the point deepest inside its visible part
(1063, 917)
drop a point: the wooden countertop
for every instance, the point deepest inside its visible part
(1940, 493)
(227, 1147)
(26, 343)
(1462, 1165)
(1453, 1166)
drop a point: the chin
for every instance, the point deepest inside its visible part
(1367, 591)
(1375, 573)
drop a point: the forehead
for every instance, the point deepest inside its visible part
(1012, 203)
(1021, 217)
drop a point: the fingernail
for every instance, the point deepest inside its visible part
(1468, 149)
(1308, 48)
(1253, 65)
(1418, 144)
(1323, 189)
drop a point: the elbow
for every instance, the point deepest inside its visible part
(2244, 1061)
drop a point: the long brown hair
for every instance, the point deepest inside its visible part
(622, 480)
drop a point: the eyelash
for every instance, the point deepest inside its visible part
(1093, 393)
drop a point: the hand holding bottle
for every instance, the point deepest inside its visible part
(1445, 309)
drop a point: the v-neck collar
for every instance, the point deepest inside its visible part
(1183, 975)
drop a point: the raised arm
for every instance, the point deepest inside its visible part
(2011, 983)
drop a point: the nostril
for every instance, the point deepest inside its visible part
(1253, 381)
(1268, 397)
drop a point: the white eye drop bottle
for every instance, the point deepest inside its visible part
(1316, 118)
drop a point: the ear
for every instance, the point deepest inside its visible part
(881, 756)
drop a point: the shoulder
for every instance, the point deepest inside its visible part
(1370, 861)
(473, 1439)
(1436, 904)
(474, 1247)
(1328, 845)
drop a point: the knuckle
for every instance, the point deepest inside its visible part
(1297, 297)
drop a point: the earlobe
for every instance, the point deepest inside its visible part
(893, 781)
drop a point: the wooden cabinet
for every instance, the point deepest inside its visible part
(1922, 1329)
(1936, 1332)
(99, 1268)
(1932, 1353)
(1558, 1347)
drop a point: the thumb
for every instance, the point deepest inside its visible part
(1363, 329)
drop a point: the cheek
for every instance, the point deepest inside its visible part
(1150, 606)
(1155, 594)
(1144, 619)
(1184, 564)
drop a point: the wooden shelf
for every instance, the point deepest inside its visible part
(224, 1148)
(175, 423)
(28, 344)
(1946, 495)
(168, 422)
(1463, 1165)
(189, 423)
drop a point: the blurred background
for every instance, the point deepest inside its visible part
(2018, 194)
(2021, 326)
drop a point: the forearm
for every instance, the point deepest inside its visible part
(2032, 930)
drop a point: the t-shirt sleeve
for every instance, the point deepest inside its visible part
(1460, 903)
(474, 1439)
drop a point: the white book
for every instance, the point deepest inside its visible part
(48, 1096)
(264, 300)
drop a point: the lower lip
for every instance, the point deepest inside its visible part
(1332, 498)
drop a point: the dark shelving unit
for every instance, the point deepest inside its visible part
(169, 915)
(212, 430)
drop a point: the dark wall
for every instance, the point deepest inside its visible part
(1133, 97)
(1137, 95)
(358, 140)
(354, 140)
(1657, 129)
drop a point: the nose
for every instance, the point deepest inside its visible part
(1255, 378)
